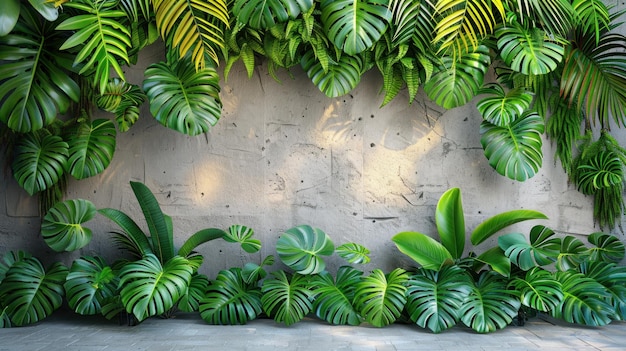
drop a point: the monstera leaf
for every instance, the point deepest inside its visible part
(543, 248)
(529, 51)
(354, 253)
(102, 36)
(456, 82)
(287, 298)
(263, 14)
(607, 248)
(338, 79)
(333, 297)
(190, 300)
(500, 107)
(243, 235)
(182, 98)
(150, 289)
(230, 300)
(538, 289)
(123, 99)
(30, 292)
(434, 298)
(489, 305)
(380, 298)
(354, 25)
(61, 228)
(89, 282)
(39, 161)
(302, 247)
(571, 253)
(585, 301)
(611, 276)
(34, 87)
(91, 148)
(514, 151)
(9, 259)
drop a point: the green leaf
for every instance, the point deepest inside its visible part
(592, 16)
(495, 259)
(554, 16)
(456, 82)
(103, 38)
(333, 298)
(230, 300)
(196, 290)
(612, 277)
(434, 298)
(200, 237)
(543, 248)
(39, 161)
(46, 9)
(354, 253)
(253, 272)
(584, 300)
(150, 289)
(32, 293)
(538, 289)
(602, 170)
(34, 84)
(500, 107)
(514, 151)
(529, 51)
(193, 27)
(571, 253)
(89, 282)
(380, 298)
(424, 250)
(287, 298)
(61, 228)
(122, 99)
(490, 305)
(91, 148)
(500, 221)
(9, 259)
(132, 234)
(161, 235)
(243, 235)
(264, 14)
(338, 79)
(608, 248)
(9, 14)
(354, 25)
(301, 248)
(182, 98)
(450, 222)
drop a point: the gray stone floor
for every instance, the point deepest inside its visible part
(67, 332)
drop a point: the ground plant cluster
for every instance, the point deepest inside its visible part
(523, 275)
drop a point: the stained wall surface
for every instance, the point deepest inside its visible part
(283, 154)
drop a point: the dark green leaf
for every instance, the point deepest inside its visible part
(62, 226)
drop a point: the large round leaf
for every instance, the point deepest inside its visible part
(230, 300)
(182, 98)
(333, 298)
(89, 282)
(543, 248)
(529, 51)
(456, 82)
(287, 298)
(355, 25)
(434, 298)
(196, 290)
(380, 297)
(264, 14)
(607, 248)
(91, 148)
(39, 161)
(538, 289)
(301, 249)
(34, 87)
(490, 305)
(30, 292)
(9, 259)
(61, 228)
(150, 289)
(571, 254)
(585, 301)
(338, 79)
(514, 151)
(500, 107)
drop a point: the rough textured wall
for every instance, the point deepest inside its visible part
(284, 154)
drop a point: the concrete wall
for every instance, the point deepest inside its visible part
(284, 154)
